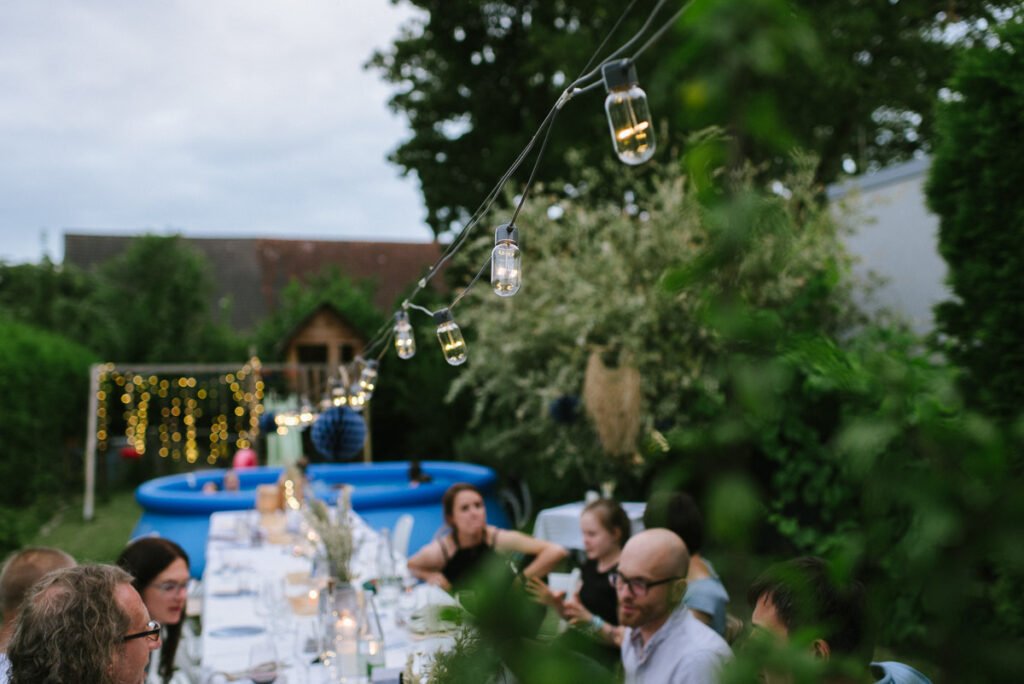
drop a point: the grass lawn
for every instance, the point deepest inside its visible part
(99, 540)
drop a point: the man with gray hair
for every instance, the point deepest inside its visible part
(83, 625)
(21, 571)
(664, 643)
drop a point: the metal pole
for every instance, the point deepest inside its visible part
(89, 499)
(368, 444)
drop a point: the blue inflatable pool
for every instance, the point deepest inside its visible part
(176, 507)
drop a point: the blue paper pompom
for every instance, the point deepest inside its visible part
(339, 433)
(267, 424)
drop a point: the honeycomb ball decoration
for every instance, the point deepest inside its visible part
(339, 433)
(268, 423)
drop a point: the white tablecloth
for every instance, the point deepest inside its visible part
(561, 524)
(234, 573)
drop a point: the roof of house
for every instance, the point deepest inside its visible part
(250, 273)
(881, 178)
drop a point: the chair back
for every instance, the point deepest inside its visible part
(400, 535)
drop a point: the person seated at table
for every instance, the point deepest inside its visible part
(451, 560)
(160, 572)
(22, 570)
(705, 594)
(802, 597)
(605, 528)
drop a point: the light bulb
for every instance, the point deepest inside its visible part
(405, 340)
(357, 398)
(506, 261)
(450, 336)
(628, 114)
(368, 378)
(338, 396)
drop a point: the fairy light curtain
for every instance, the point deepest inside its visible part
(183, 417)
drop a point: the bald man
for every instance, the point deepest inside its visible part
(664, 643)
(21, 572)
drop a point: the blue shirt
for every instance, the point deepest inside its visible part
(897, 673)
(708, 595)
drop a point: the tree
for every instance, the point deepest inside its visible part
(299, 299)
(60, 299)
(593, 286)
(845, 80)
(156, 295)
(974, 187)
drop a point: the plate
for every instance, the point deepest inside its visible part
(237, 631)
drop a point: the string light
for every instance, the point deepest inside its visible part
(368, 378)
(405, 340)
(632, 135)
(506, 261)
(453, 345)
(629, 117)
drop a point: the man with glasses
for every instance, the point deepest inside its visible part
(21, 572)
(83, 625)
(664, 643)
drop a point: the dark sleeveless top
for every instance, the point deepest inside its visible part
(464, 562)
(596, 594)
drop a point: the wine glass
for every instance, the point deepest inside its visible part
(263, 663)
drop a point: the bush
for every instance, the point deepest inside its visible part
(975, 189)
(45, 380)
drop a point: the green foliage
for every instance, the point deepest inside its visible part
(61, 299)
(299, 299)
(45, 380)
(841, 79)
(975, 189)
(592, 284)
(156, 296)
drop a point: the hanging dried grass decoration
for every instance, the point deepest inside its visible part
(611, 396)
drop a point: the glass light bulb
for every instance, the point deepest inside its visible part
(629, 117)
(405, 340)
(506, 261)
(368, 378)
(450, 336)
(357, 398)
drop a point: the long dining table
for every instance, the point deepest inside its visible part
(259, 601)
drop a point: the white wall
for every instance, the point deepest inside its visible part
(896, 237)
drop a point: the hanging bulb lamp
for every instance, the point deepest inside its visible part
(506, 261)
(629, 116)
(450, 336)
(405, 340)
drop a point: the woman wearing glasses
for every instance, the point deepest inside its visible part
(160, 570)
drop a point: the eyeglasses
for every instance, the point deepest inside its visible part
(637, 587)
(152, 632)
(171, 587)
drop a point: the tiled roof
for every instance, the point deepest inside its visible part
(249, 273)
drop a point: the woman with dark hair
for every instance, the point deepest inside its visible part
(453, 558)
(705, 596)
(160, 572)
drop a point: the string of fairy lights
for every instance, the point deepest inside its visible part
(232, 403)
(239, 396)
(632, 134)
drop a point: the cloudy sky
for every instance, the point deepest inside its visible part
(205, 117)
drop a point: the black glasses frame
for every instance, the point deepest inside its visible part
(153, 633)
(637, 587)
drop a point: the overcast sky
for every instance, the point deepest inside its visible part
(207, 117)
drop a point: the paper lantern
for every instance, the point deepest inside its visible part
(339, 433)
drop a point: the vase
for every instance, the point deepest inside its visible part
(343, 619)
